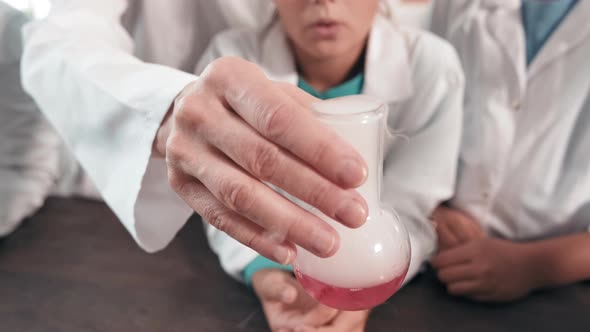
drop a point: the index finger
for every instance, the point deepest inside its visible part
(458, 255)
(298, 95)
(284, 121)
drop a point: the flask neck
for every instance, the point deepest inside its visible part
(372, 153)
(366, 135)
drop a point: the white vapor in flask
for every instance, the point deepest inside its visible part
(372, 260)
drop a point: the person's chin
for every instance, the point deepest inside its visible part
(326, 50)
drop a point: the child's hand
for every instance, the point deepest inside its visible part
(346, 321)
(286, 305)
(489, 270)
(455, 227)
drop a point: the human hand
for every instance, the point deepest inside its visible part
(234, 129)
(454, 227)
(489, 270)
(345, 321)
(285, 303)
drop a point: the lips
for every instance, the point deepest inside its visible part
(325, 29)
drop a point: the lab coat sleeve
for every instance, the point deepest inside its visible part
(420, 171)
(107, 105)
(233, 256)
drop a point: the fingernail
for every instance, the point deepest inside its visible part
(324, 243)
(352, 214)
(352, 173)
(283, 255)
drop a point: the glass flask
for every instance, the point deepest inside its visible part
(372, 261)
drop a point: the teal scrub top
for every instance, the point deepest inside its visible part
(540, 19)
(353, 86)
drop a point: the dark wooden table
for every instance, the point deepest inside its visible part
(73, 268)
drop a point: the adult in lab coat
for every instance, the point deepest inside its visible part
(424, 94)
(524, 169)
(109, 76)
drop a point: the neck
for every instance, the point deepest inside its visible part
(323, 74)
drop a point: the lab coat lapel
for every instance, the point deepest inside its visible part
(505, 25)
(387, 68)
(573, 31)
(277, 57)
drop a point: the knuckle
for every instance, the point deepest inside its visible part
(265, 161)
(275, 121)
(218, 218)
(318, 194)
(253, 241)
(174, 148)
(294, 224)
(237, 196)
(218, 71)
(222, 71)
(192, 114)
(319, 152)
(276, 234)
(176, 182)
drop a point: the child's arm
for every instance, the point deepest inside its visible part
(561, 260)
(495, 270)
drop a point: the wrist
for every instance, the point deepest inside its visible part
(159, 144)
(538, 265)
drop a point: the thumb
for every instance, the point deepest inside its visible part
(276, 286)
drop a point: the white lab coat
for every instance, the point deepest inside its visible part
(415, 14)
(105, 72)
(524, 169)
(420, 78)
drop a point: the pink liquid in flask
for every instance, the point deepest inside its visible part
(372, 260)
(350, 299)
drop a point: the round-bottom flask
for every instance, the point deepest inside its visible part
(372, 261)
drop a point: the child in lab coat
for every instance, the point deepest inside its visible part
(520, 217)
(337, 48)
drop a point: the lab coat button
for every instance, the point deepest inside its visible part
(516, 105)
